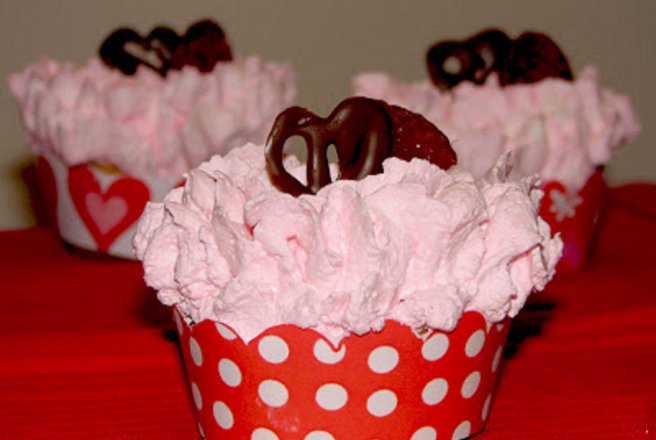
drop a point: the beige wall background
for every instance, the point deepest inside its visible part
(329, 41)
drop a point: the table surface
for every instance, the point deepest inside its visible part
(87, 352)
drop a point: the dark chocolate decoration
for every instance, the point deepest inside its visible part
(155, 50)
(359, 129)
(450, 63)
(530, 58)
(490, 47)
(164, 41)
(476, 58)
(202, 46)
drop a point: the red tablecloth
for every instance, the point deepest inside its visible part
(86, 352)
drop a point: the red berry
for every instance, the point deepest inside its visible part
(204, 45)
(532, 58)
(415, 136)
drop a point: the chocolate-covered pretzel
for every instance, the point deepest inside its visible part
(490, 48)
(451, 62)
(154, 50)
(528, 59)
(359, 129)
(202, 46)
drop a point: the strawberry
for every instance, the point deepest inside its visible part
(532, 58)
(204, 44)
(415, 136)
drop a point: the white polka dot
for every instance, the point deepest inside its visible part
(497, 359)
(200, 431)
(425, 433)
(435, 391)
(225, 332)
(229, 372)
(273, 349)
(383, 359)
(198, 398)
(500, 327)
(273, 393)
(196, 353)
(223, 415)
(462, 431)
(331, 396)
(178, 323)
(475, 343)
(319, 435)
(435, 347)
(470, 385)
(381, 403)
(486, 407)
(325, 353)
(263, 434)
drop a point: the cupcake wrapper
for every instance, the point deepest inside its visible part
(292, 383)
(575, 215)
(96, 209)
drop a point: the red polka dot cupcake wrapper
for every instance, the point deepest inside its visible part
(292, 383)
(94, 208)
(575, 216)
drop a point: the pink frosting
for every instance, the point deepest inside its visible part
(145, 124)
(558, 129)
(414, 244)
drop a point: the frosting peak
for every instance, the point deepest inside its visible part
(145, 124)
(561, 130)
(415, 244)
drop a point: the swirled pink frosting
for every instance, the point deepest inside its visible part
(558, 129)
(414, 244)
(145, 124)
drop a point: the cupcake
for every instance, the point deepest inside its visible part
(368, 298)
(491, 94)
(120, 130)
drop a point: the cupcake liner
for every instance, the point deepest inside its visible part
(575, 215)
(292, 383)
(96, 208)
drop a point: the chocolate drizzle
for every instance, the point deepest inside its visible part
(359, 129)
(528, 59)
(202, 46)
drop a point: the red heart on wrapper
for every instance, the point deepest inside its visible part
(106, 213)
